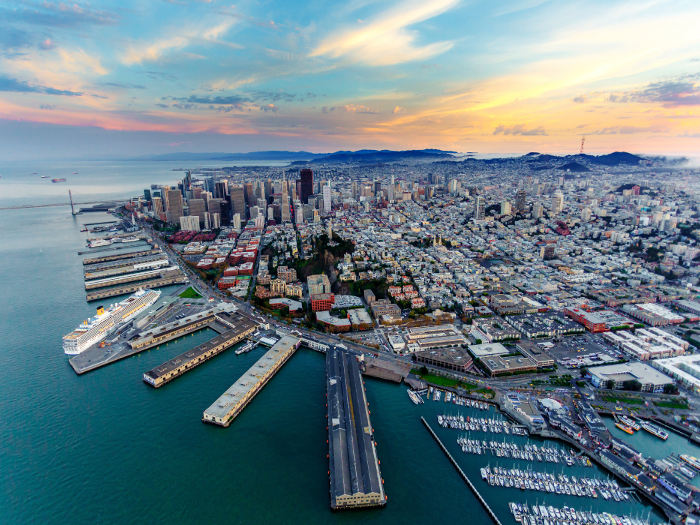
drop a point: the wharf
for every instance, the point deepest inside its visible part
(118, 256)
(225, 409)
(134, 266)
(185, 362)
(112, 248)
(131, 277)
(109, 265)
(355, 478)
(177, 278)
(394, 371)
(178, 328)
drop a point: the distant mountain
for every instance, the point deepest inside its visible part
(364, 155)
(254, 155)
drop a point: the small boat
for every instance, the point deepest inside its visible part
(417, 400)
(624, 428)
(44, 176)
(58, 180)
(246, 348)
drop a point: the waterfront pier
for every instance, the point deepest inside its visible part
(185, 362)
(466, 479)
(232, 402)
(116, 257)
(175, 278)
(355, 478)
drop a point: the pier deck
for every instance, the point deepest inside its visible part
(116, 257)
(225, 409)
(355, 479)
(185, 362)
(177, 278)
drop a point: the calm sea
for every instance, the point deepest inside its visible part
(106, 448)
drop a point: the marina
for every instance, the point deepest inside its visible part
(553, 483)
(355, 477)
(241, 327)
(481, 424)
(546, 514)
(230, 404)
(528, 452)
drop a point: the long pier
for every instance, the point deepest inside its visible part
(174, 330)
(185, 362)
(466, 479)
(355, 478)
(232, 402)
(116, 257)
(133, 267)
(111, 265)
(129, 288)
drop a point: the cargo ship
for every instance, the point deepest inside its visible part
(96, 328)
(654, 430)
(58, 180)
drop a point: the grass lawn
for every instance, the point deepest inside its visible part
(443, 381)
(190, 293)
(622, 399)
(674, 403)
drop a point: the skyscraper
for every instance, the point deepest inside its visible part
(307, 184)
(479, 209)
(157, 207)
(557, 202)
(238, 200)
(327, 198)
(197, 208)
(390, 191)
(173, 200)
(521, 201)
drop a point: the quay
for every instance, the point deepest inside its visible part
(109, 265)
(185, 362)
(225, 409)
(131, 267)
(176, 278)
(466, 479)
(131, 277)
(112, 248)
(176, 329)
(118, 256)
(355, 478)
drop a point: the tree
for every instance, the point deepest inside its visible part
(610, 384)
(670, 389)
(632, 384)
(423, 370)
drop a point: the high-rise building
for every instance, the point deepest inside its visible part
(215, 220)
(557, 202)
(157, 207)
(249, 194)
(237, 194)
(479, 209)
(147, 195)
(173, 201)
(236, 223)
(221, 190)
(197, 208)
(318, 284)
(298, 215)
(285, 212)
(505, 208)
(327, 198)
(521, 201)
(307, 184)
(586, 214)
(189, 223)
(547, 252)
(537, 210)
(391, 189)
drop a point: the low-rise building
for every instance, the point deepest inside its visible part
(449, 358)
(617, 375)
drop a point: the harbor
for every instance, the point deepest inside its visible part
(241, 328)
(230, 404)
(354, 474)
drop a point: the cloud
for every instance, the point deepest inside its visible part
(269, 107)
(154, 51)
(398, 109)
(58, 15)
(359, 108)
(387, 40)
(217, 100)
(9, 84)
(47, 106)
(624, 130)
(671, 93)
(121, 85)
(519, 129)
(579, 100)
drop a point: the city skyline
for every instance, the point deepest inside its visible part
(125, 80)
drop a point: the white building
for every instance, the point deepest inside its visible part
(189, 223)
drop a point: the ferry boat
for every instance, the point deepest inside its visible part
(246, 348)
(96, 328)
(98, 243)
(624, 427)
(625, 420)
(417, 400)
(130, 239)
(654, 430)
(58, 180)
(691, 460)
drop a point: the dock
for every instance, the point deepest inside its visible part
(185, 362)
(176, 278)
(232, 402)
(355, 478)
(393, 371)
(129, 266)
(116, 257)
(466, 479)
(131, 277)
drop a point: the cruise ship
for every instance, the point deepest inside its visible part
(96, 328)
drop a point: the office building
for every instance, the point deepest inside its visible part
(173, 202)
(307, 184)
(479, 209)
(189, 223)
(237, 194)
(327, 198)
(557, 202)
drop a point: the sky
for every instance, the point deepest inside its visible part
(124, 79)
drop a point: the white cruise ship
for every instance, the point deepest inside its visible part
(97, 328)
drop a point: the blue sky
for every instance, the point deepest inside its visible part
(128, 78)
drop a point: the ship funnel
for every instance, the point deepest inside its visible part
(100, 310)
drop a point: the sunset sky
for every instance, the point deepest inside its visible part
(131, 78)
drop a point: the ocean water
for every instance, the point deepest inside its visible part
(106, 448)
